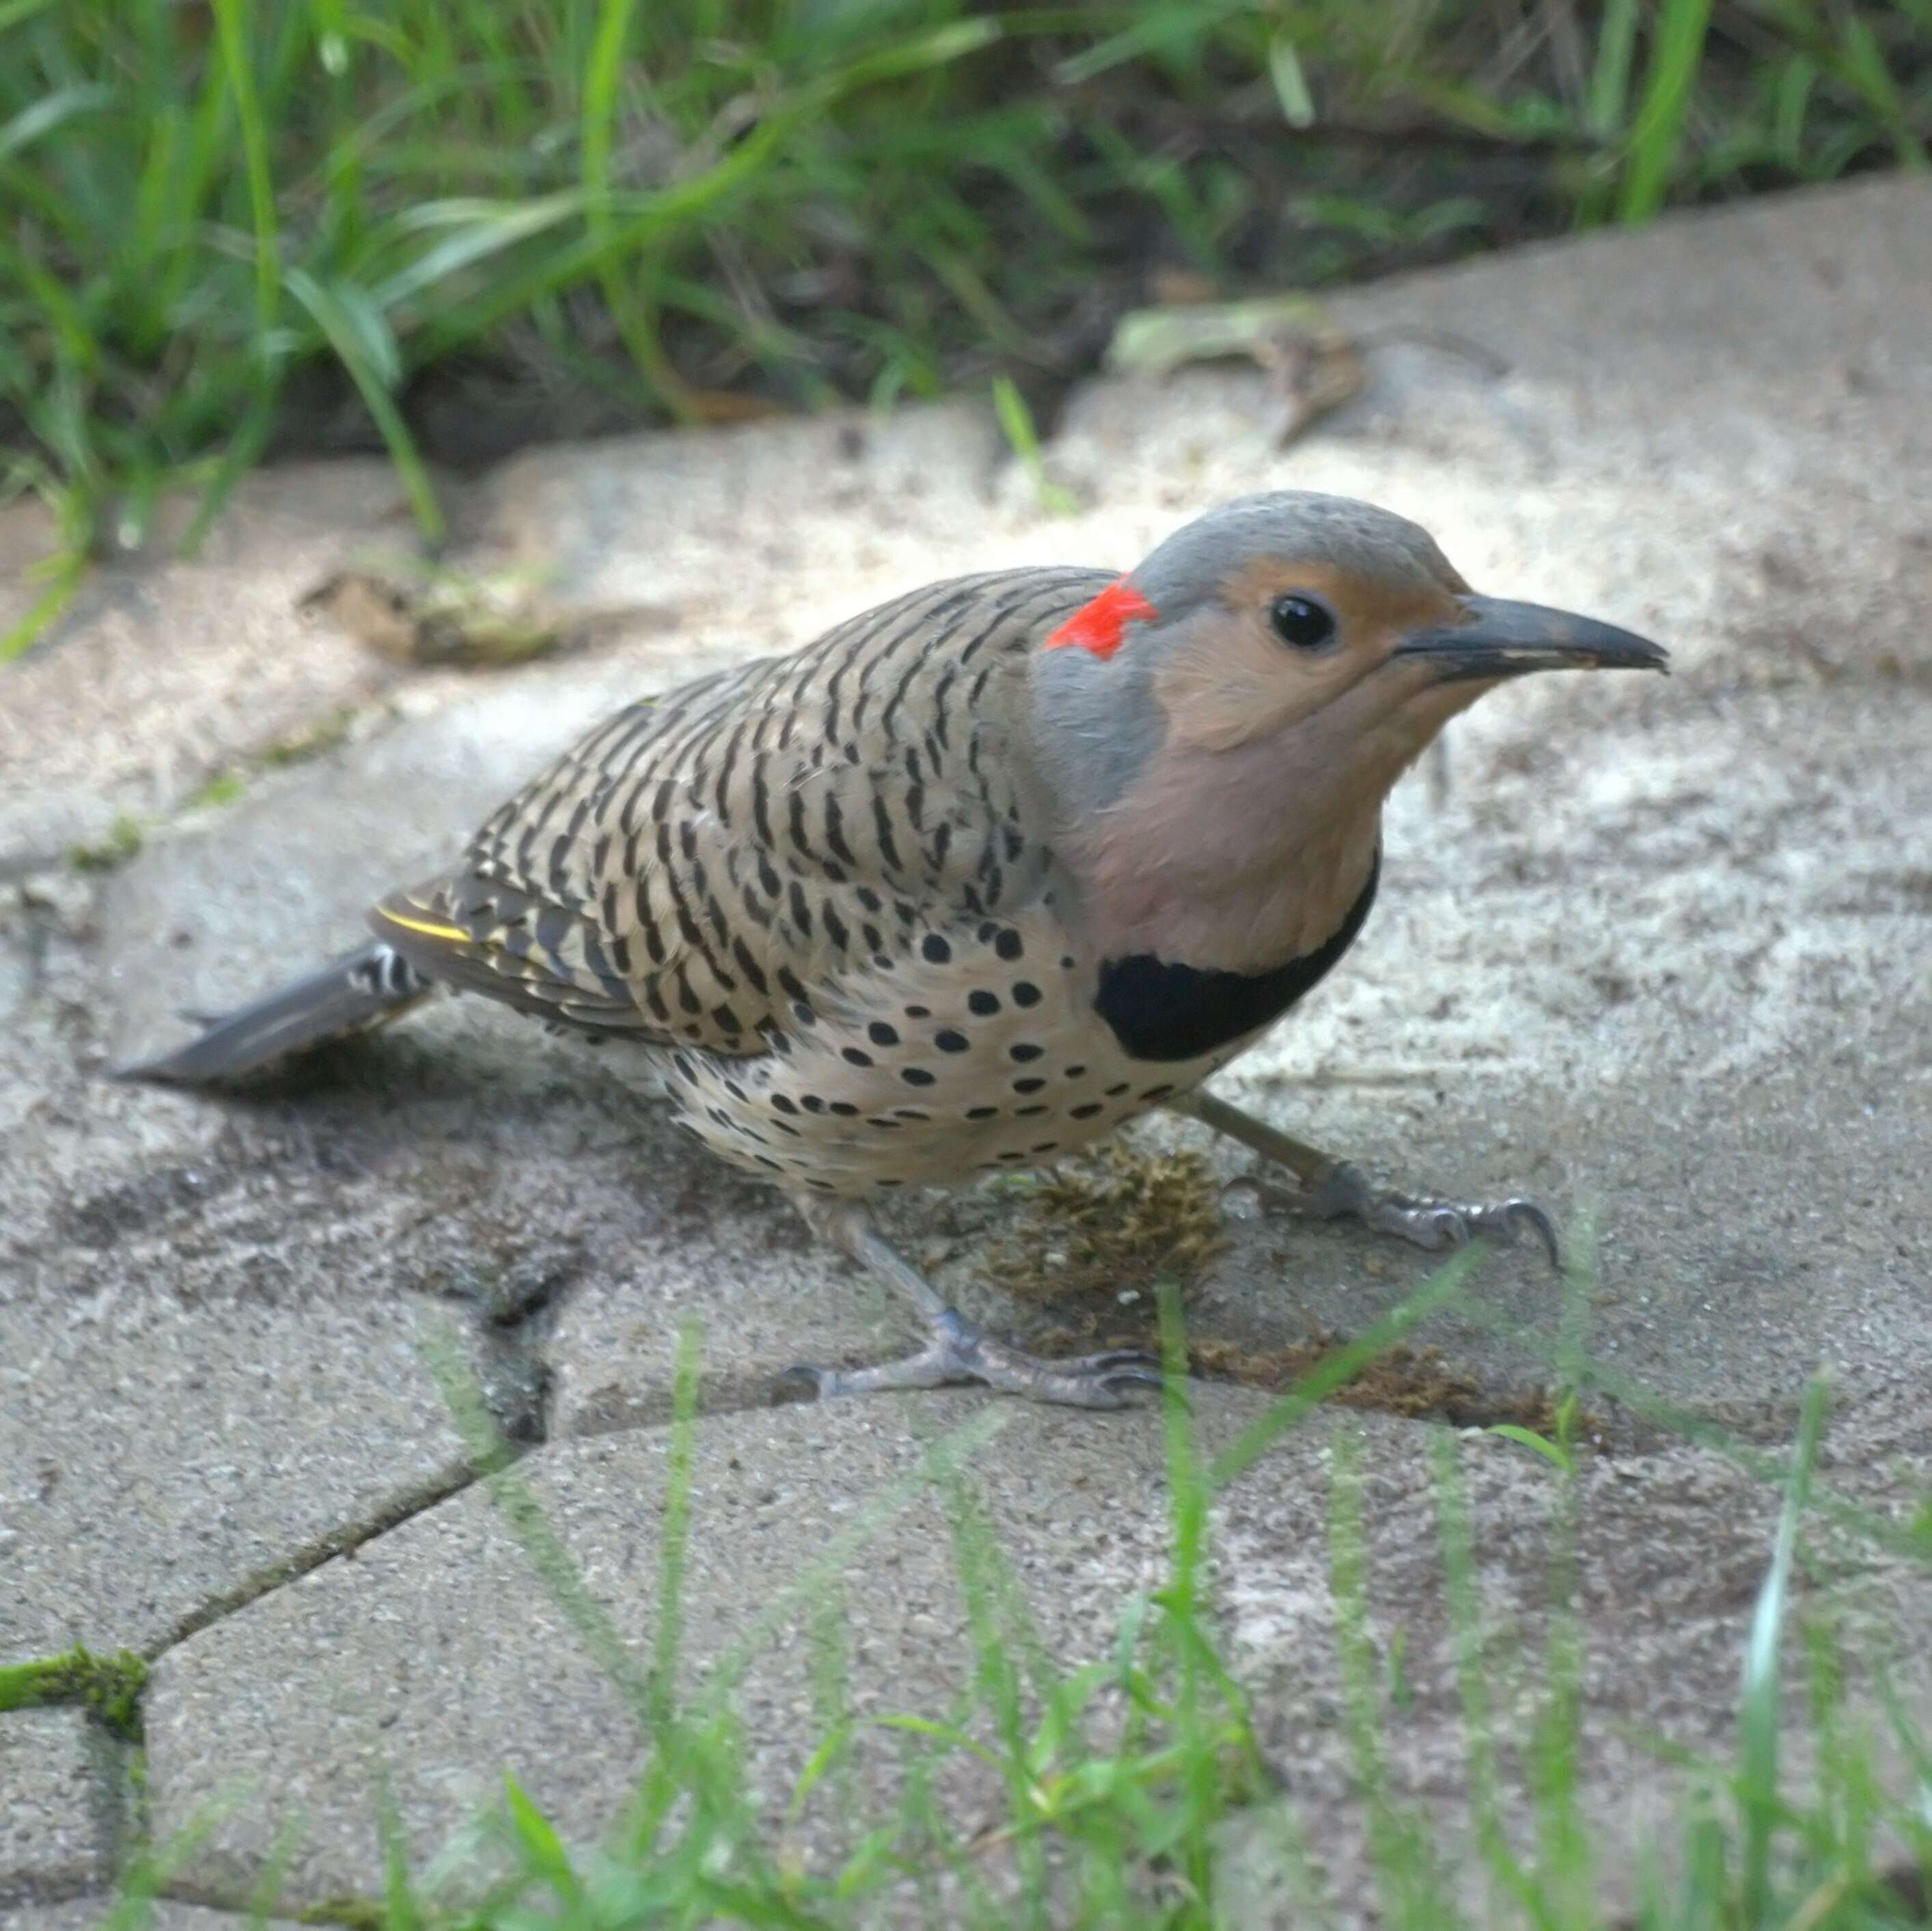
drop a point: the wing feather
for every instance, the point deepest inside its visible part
(696, 864)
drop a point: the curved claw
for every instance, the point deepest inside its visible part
(1539, 1222)
(1431, 1225)
(1503, 1221)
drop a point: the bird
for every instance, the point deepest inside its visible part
(976, 877)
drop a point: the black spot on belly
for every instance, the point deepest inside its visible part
(1160, 1011)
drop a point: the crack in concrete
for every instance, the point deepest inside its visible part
(362, 1532)
(311, 1555)
(356, 1914)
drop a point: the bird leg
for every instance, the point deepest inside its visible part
(1331, 1187)
(957, 1350)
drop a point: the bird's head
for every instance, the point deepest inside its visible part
(1229, 716)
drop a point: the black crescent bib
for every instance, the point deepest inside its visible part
(1159, 1010)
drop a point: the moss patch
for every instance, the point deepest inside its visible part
(1418, 1382)
(109, 1686)
(1414, 1381)
(224, 788)
(359, 1914)
(122, 841)
(1112, 1223)
(442, 615)
(324, 736)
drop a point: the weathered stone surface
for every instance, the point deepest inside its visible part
(166, 672)
(769, 532)
(163, 672)
(85, 1914)
(160, 1460)
(438, 1652)
(210, 1374)
(58, 1805)
(212, 1369)
(1671, 1551)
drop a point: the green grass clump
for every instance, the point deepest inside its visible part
(219, 215)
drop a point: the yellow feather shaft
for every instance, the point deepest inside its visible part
(428, 929)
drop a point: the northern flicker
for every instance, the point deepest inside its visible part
(976, 877)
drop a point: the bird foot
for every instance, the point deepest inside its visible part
(1432, 1224)
(959, 1352)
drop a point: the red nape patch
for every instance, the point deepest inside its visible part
(1100, 626)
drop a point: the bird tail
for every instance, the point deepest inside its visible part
(360, 991)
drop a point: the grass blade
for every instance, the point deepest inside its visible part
(42, 116)
(1758, 1717)
(1016, 423)
(676, 1533)
(1464, 1601)
(540, 1844)
(231, 23)
(399, 1903)
(344, 319)
(1609, 76)
(1676, 53)
(523, 1516)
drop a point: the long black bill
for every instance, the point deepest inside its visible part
(1501, 639)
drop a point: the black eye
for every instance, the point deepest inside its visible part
(1302, 623)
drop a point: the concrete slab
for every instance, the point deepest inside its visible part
(438, 1653)
(212, 1372)
(85, 1914)
(59, 1805)
(166, 672)
(163, 671)
(160, 1462)
(1671, 1552)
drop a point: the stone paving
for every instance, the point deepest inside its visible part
(1657, 950)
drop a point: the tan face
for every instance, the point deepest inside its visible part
(1221, 747)
(1257, 660)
